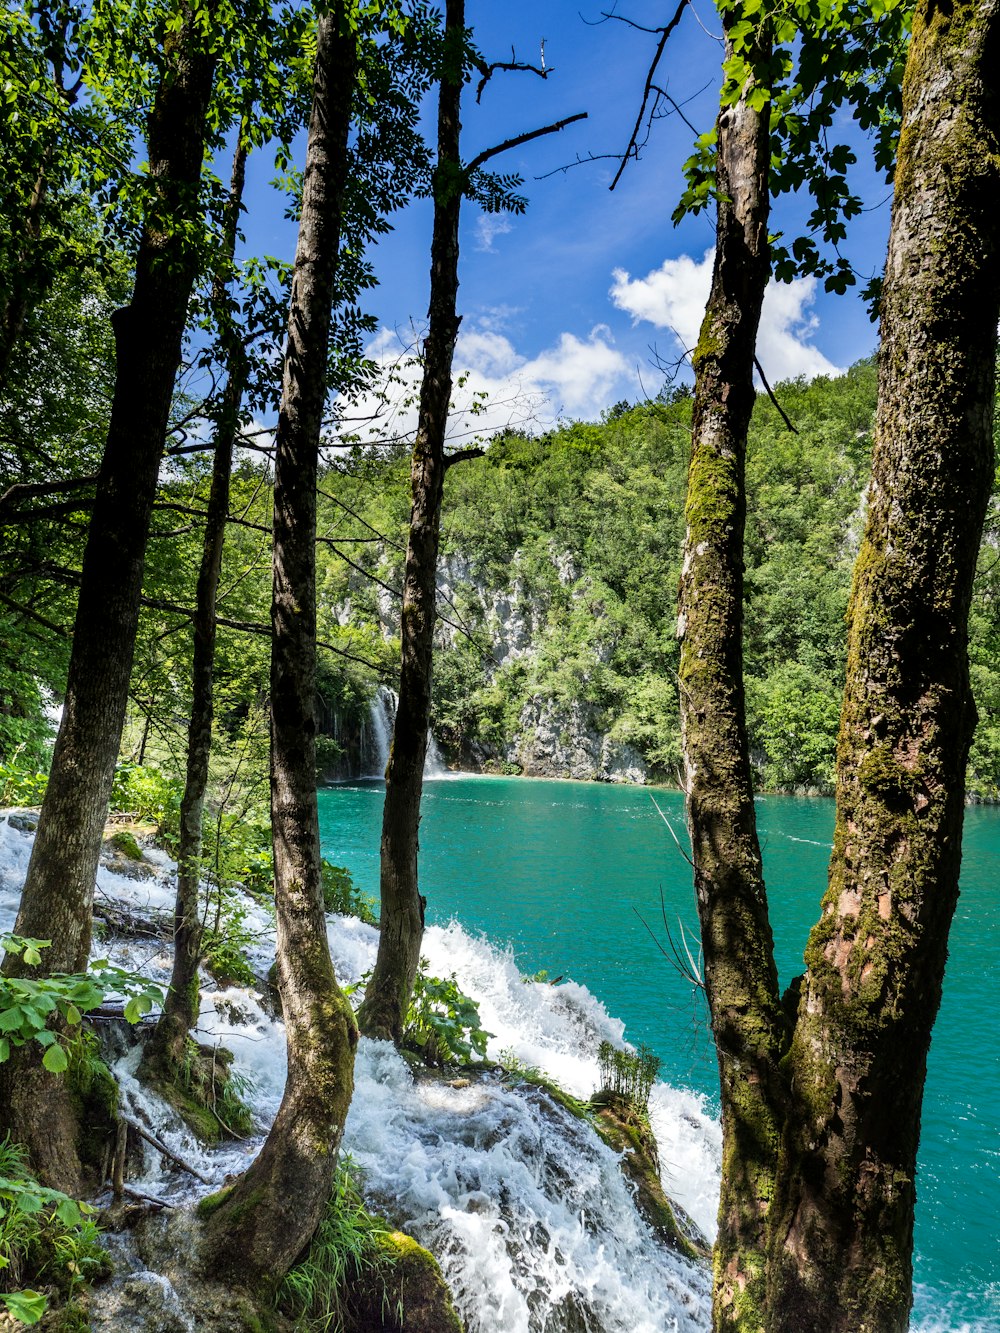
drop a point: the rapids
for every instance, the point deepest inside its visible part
(521, 1203)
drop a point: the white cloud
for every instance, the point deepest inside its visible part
(488, 227)
(674, 295)
(495, 386)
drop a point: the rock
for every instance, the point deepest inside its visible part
(629, 1132)
(157, 1288)
(24, 823)
(564, 741)
(406, 1281)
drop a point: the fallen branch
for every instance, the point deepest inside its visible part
(162, 1148)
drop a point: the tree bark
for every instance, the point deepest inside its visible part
(261, 1225)
(165, 1048)
(843, 1240)
(58, 892)
(740, 977)
(387, 996)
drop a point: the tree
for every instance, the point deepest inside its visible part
(821, 1092)
(387, 996)
(262, 1224)
(165, 1050)
(58, 893)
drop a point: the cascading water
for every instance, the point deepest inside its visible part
(524, 1207)
(377, 737)
(522, 1204)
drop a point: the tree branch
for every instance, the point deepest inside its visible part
(770, 393)
(487, 70)
(25, 490)
(518, 139)
(461, 455)
(630, 148)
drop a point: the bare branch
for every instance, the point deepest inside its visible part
(29, 614)
(770, 393)
(513, 65)
(32, 490)
(461, 455)
(631, 148)
(518, 139)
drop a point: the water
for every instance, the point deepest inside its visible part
(377, 737)
(571, 874)
(525, 1208)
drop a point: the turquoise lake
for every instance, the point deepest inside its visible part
(568, 873)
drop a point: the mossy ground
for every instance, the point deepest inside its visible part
(203, 1092)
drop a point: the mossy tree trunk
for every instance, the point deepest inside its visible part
(740, 977)
(821, 1124)
(263, 1224)
(387, 997)
(843, 1240)
(165, 1050)
(58, 893)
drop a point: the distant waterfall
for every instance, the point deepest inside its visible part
(377, 737)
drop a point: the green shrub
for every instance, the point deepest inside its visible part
(28, 1004)
(225, 942)
(45, 1237)
(628, 1074)
(340, 894)
(442, 1023)
(148, 794)
(21, 782)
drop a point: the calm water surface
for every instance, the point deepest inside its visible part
(571, 875)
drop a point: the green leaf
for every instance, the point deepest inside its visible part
(68, 1213)
(55, 1060)
(11, 1019)
(27, 1305)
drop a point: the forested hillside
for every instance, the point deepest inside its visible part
(557, 650)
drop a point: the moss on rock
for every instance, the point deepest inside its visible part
(403, 1292)
(628, 1132)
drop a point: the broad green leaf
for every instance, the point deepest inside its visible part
(27, 1305)
(55, 1060)
(68, 1213)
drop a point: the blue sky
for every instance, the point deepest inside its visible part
(562, 305)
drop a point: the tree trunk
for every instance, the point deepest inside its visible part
(261, 1225)
(843, 1241)
(58, 892)
(166, 1047)
(740, 977)
(387, 997)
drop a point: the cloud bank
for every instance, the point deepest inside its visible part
(673, 297)
(495, 387)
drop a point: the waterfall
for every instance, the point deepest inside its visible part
(377, 737)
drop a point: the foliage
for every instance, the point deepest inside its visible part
(28, 1006)
(340, 894)
(226, 940)
(146, 793)
(345, 1247)
(442, 1023)
(44, 1235)
(20, 782)
(628, 1074)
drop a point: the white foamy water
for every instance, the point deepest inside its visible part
(523, 1205)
